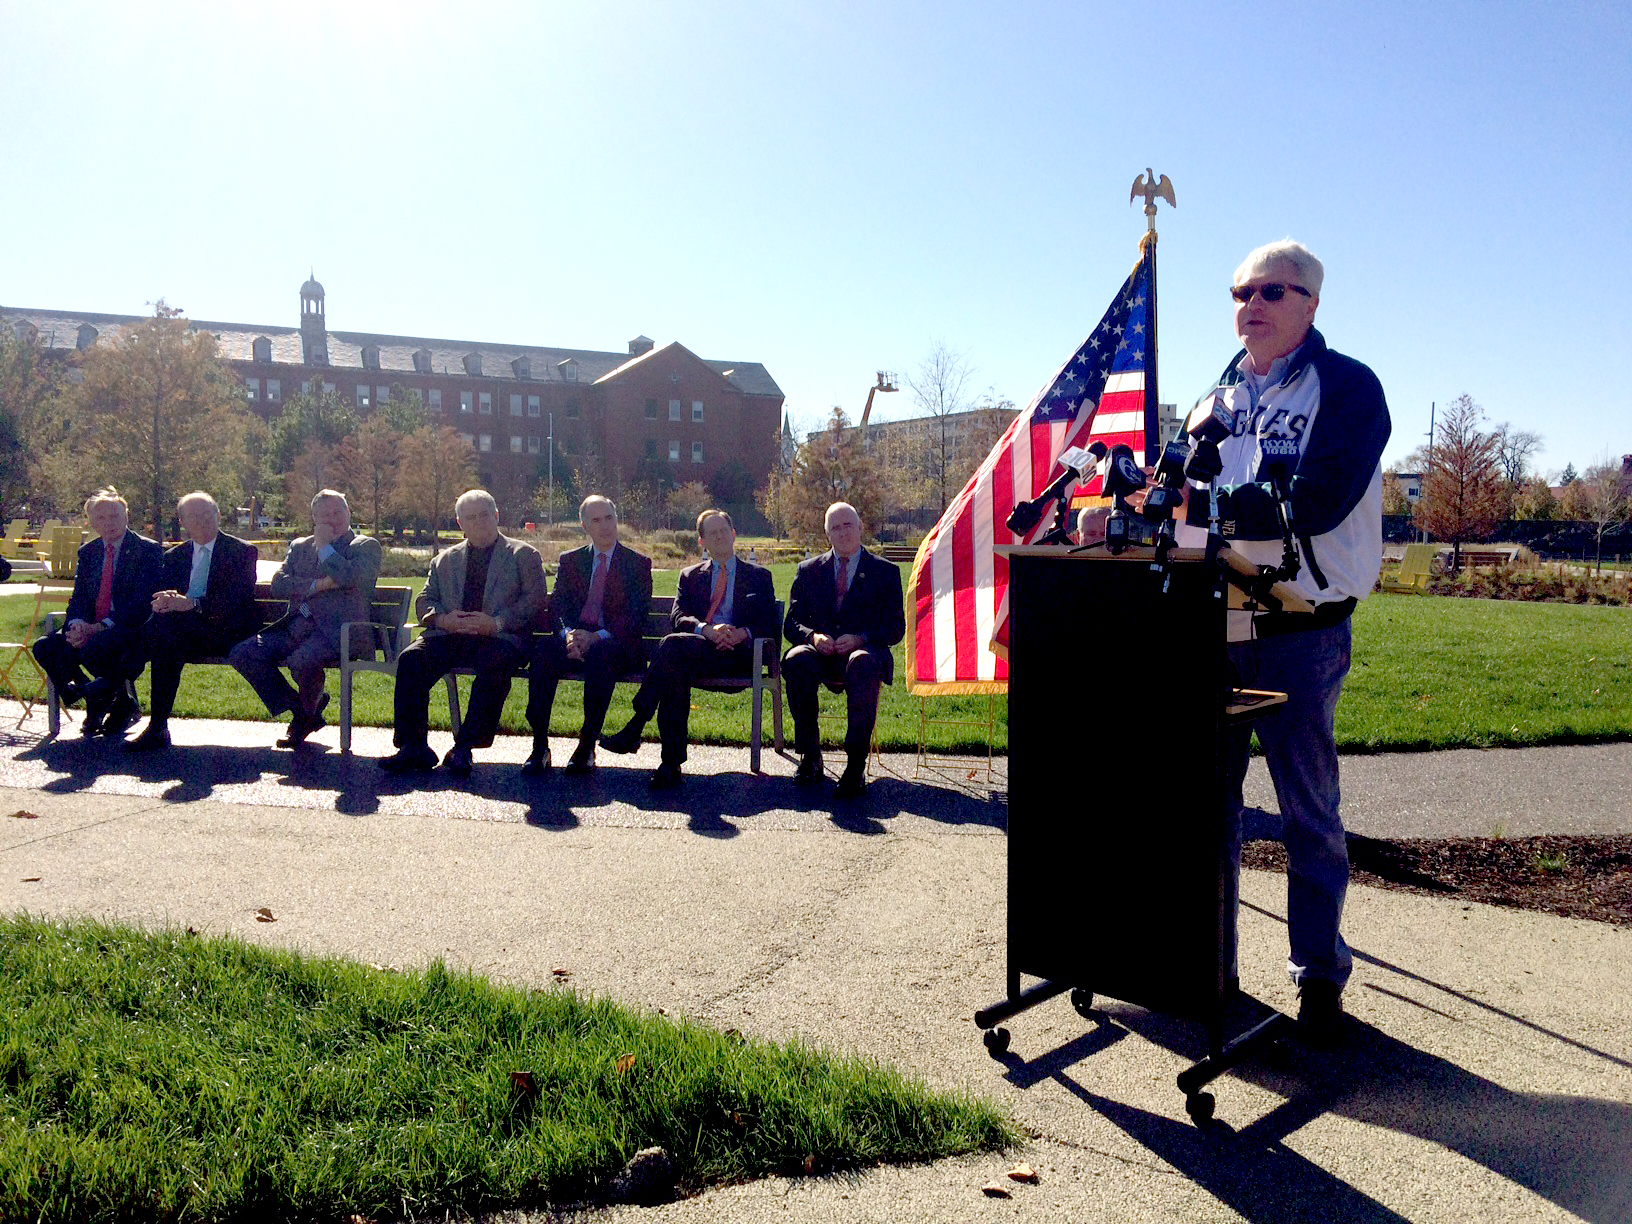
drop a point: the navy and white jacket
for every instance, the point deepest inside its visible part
(1324, 417)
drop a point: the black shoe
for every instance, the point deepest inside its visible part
(623, 742)
(96, 715)
(409, 760)
(121, 716)
(304, 724)
(852, 783)
(458, 761)
(1320, 1012)
(155, 737)
(810, 770)
(581, 764)
(70, 694)
(665, 777)
(538, 764)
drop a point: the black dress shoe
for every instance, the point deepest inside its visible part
(155, 737)
(852, 783)
(665, 777)
(121, 716)
(458, 761)
(1320, 1012)
(538, 764)
(304, 724)
(810, 770)
(622, 742)
(96, 715)
(70, 694)
(581, 764)
(409, 760)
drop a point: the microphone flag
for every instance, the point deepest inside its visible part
(958, 595)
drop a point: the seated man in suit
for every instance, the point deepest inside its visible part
(205, 607)
(113, 595)
(723, 605)
(597, 618)
(328, 579)
(482, 600)
(844, 613)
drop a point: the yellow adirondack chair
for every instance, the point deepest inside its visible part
(11, 547)
(1415, 570)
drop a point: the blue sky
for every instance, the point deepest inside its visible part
(830, 188)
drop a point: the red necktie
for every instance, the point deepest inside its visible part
(104, 593)
(591, 618)
(719, 592)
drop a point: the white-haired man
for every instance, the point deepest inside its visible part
(482, 600)
(206, 607)
(328, 579)
(1312, 423)
(597, 620)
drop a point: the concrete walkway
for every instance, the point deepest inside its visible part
(1488, 1073)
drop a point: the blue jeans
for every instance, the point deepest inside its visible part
(1301, 753)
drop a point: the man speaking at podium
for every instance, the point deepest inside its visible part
(1312, 424)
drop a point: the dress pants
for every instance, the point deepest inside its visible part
(677, 661)
(601, 666)
(1300, 750)
(171, 639)
(114, 654)
(433, 656)
(856, 675)
(297, 644)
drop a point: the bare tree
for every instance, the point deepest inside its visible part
(1515, 449)
(1464, 495)
(1602, 497)
(940, 388)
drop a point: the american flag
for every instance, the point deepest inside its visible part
(957, 638)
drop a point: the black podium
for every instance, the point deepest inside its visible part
(1119, 864)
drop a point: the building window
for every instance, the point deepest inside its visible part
(371, 356)
(674, 450)
(381, 394)
(467, 401)
(422, 361)
(532, 406)
(674, 410)
(515, 444)
(252, 389)
(515, 405)
(532, 445)
(696, 410)
(484, 443)
(436, 399)
(362, 395)
(696, 452)
(328, 388)
(651, 448)
(572, 410)
(651, 410)
(262, 348)
(305, 386)
(274, 390)
(467, 439)
(487, 403)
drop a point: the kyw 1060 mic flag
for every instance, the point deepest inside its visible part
(957, 636)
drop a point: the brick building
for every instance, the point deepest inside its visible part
(651, 405)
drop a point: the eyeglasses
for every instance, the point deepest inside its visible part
(1271, 292)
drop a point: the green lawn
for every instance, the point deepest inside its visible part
(169, 1077)
(1428, 673)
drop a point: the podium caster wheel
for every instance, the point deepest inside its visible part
(1199, 1105)
(1083, 1001)
(997, 1041)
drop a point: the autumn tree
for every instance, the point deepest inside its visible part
(1464, 494)
(157, 413)
(1394, 499)
(687, 501)
(1535, 501)
(831, 466)
(437, 465)
(1602, 497)
(371, 457)
(940, 389)
(30, 424)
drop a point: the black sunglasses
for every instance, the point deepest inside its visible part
(1271, 292)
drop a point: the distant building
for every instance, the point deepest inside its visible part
(975, 419)
(1410, 485)
(651, 406)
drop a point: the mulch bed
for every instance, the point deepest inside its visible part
(1573, 877)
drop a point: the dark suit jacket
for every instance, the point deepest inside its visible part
(873, 605)
(354, 565)
(753, 602)
(228, 607)
(135, 578)
(514, 594)
(628, 593)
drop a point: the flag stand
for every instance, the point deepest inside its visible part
(947, 764)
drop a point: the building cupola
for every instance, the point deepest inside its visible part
(314, 329)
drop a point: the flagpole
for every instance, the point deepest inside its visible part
(1152, 189)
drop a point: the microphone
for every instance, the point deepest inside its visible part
(1211, 422)
(1078, 463)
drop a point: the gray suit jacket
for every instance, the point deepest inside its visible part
(514, 595)
(355, 567)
